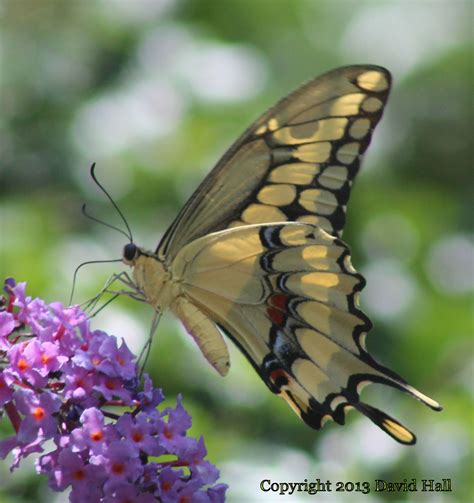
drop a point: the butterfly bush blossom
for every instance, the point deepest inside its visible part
(73, 396)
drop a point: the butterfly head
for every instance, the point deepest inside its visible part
(130, 253)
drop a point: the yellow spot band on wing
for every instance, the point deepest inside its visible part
(347, 105)
(277, 195)
(313, 152)
(372, 104)
(300, 173)
(372, 81)
(262, 213)
(314, 131)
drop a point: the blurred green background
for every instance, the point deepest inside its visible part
(154, 91)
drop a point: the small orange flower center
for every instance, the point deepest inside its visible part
(117, 468)
(22, 364)
(137, 436)
(166, 486)
(96, 360)
(168, 434)
(96, 436)
(184, 499)
(38, 413)
(45, 359)
(109, 384)
(78, 475)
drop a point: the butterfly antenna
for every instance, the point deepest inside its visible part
(74, 278)
(110, 226)
(114, 204)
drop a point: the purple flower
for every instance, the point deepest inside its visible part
(169, 483)
(138, 432)
(88, 356)
(66, 468)
(70, 328)
(60, 383)
(6, 392)
(20, 299)
(7, 445)
(7, 325)
(179, 421)
(125, 492)
(113, 387)
(150, 397)
(121, 462)
(194, 452)
(217, 493)
(78, 383)
(94, 434)
(45, 357)
(116, 362)
(79, 473)
(38, 410)
(23, 450)
(22, 366)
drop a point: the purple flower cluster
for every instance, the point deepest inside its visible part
(77, 390)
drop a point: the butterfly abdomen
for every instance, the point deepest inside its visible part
(204, 332)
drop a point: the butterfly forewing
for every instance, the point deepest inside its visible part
(295, 163)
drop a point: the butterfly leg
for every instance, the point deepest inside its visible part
(91, 304)
(145, 352)
(133, 291)
(123, 278)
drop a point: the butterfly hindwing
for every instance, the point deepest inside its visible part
(287, 295)
(295, 163)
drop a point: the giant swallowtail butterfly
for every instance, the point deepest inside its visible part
(256, 253)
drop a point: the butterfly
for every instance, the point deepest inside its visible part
(255, 253)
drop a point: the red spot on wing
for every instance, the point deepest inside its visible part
(275, 374)
(277, 308)
(275, 315)
(279, 300)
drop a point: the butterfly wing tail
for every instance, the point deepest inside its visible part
(433, 404)
(315, 413)
(389, 425)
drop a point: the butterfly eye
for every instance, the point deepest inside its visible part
(130, 252)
